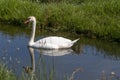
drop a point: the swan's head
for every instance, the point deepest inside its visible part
(30, 19)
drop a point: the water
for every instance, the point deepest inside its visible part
(90, 59)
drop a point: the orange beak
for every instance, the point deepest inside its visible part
(26, 22)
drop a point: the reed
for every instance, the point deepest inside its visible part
(6, 74)
(99, 18)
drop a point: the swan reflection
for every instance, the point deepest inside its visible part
(44, 52)
(32, 57)
(31, 69)
(57, 52)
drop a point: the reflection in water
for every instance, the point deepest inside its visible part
(97, 55)
(56, 52)
(34, 76)
(109, 49)
(31, 69)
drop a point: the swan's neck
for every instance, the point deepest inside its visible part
(31, 51)
(33, 32)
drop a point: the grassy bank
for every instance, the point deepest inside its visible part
(95, 18)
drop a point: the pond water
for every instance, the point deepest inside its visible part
(88, 59)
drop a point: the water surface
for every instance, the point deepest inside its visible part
(92, 58)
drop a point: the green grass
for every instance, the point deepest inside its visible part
(99, 18)
(6, 74)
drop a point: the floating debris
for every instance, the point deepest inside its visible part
(113, 74)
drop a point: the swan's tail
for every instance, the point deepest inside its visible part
(74, 41)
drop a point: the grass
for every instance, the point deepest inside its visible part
(5, 74)
(99, 18)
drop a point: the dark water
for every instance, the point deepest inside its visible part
(90, 59)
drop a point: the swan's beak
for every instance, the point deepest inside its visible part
(27, 21)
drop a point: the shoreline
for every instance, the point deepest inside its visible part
(93, 19)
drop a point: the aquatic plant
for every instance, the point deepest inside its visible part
(6, 74)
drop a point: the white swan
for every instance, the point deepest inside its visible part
(52, 42)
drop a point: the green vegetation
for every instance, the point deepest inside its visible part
(5, 74)
(98, 18)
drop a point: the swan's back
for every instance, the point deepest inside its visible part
(56, 40)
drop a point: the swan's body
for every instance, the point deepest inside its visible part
(52, 42)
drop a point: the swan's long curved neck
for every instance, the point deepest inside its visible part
(33, 32)
(31, 50)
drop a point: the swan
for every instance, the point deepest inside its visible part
(51, 42)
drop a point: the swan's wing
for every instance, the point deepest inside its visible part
(54, 42)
